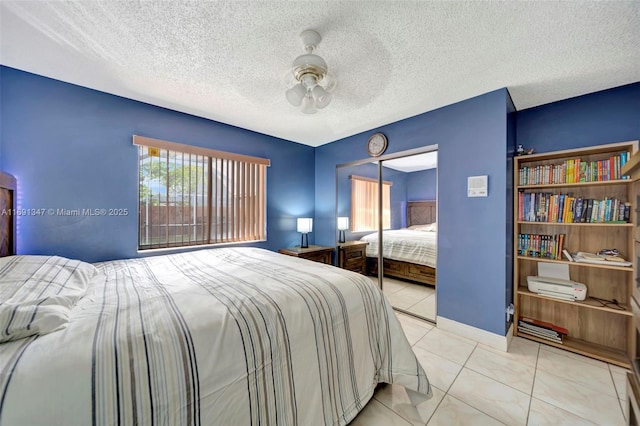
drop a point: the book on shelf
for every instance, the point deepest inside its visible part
(542, 330)
(578, 211)
(539, 330)
(575, 170)
(542, 246)
(567, 255)
(543, 324)
(561, 209)
(587, 213)
(551, 336)
(565, 208)
(598, 259)
(557, 339)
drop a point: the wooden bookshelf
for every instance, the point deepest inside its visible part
(632, 169)
(599, 330)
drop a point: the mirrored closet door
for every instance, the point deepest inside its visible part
(404, 225)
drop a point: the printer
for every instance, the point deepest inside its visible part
(557, 288)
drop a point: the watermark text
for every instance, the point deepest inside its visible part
(65, 212)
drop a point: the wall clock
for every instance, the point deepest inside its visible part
(377, 144)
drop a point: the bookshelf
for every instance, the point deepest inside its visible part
(632, 169)
(553, 191)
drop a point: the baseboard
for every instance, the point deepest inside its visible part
(481, 336)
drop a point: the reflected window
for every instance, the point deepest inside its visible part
(364, 204)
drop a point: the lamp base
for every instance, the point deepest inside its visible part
(341, 238)
(304, 242)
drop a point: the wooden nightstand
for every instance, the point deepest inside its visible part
(320, 254)
(352, 255)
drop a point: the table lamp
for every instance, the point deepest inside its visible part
(343, 225)
(305, 224)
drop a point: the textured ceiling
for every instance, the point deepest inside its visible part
(225, 60)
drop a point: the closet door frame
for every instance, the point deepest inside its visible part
(380, 160)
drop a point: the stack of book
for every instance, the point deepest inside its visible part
(542, 329)
(575, 170)
(565, 208)
(536, 245)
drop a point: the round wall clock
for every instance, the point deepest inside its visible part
(377, 144)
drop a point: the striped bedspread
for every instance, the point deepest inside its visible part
(405, 245)
(229, 336)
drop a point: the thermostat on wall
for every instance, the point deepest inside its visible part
(477, 186)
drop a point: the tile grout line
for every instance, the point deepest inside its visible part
(579, 415)
(495, 380)
(458, 399)
(615, 388)
(469, 405)
(533, 383)
(456, 378)
(391, 409)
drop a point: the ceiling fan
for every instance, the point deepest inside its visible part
(313, 83)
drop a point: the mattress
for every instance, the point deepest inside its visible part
(405, 245)
(228, 336)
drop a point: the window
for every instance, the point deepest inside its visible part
(364, 204)
(193, 196)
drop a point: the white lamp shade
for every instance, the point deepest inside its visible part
(305, 224)
(296, 94)
(322, 97)
(309, 105)
(343, 223)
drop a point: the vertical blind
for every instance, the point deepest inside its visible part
(364, 204)
(192, 196)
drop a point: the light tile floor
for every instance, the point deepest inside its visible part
(419, 299)
(473, 384)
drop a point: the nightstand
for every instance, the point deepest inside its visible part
(352, 255)
(320, 254)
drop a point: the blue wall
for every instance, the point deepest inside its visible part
(71, 147)
(472, 140)
(598, 118)
(422, 185)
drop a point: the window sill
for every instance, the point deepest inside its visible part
(171, 250)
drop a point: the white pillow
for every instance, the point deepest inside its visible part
(38, 292)
(432, 227)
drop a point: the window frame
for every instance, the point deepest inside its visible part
(245, 221)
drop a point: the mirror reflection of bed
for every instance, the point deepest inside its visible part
(409, 260)
(409, 218)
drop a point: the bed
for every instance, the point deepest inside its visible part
(408, 253)
(224, 336)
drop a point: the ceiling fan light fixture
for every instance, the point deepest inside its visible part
(321, 96)
(309, 105)
(296, 94)
(309, 64)
(310, 71)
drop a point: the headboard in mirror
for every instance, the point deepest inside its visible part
(7, 214)
(421, 212)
